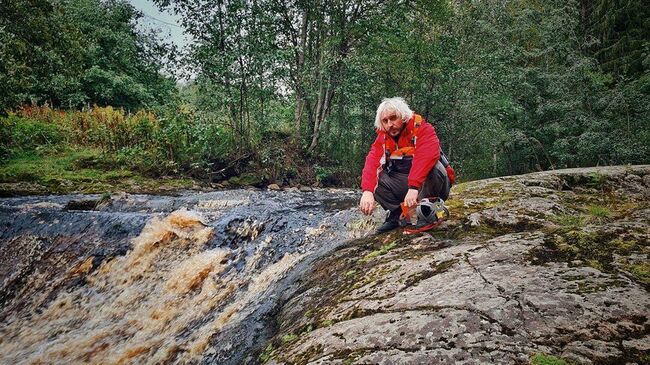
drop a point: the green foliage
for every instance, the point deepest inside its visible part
(79, 52)
(323, 174)
(142, 142)
(24, 134)
(86, 170)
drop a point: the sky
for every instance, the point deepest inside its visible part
(167, 22)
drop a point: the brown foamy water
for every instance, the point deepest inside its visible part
(161, 302)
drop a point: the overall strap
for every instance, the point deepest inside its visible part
(416, 127)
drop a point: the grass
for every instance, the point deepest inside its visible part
(593, 213)
(568, 220)
(543, 359)
(78, 170)
(599, 211)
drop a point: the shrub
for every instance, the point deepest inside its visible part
(26, 134)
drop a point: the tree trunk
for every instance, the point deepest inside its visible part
(322, 111)
(300, 62)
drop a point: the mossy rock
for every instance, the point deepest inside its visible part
(246, 179)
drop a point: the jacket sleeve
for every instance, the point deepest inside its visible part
(371, 167)
(427, 154)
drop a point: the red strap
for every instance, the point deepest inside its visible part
(423, 229)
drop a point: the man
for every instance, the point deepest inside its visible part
(403, 164)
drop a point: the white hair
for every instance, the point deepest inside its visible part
(396, 104)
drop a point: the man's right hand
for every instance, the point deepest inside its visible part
(367, 203)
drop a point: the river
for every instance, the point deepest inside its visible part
(191, 278)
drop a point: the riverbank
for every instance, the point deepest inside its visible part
(80, 171)
(103, 150)
(90, 171)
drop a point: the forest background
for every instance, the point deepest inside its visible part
(285, 91)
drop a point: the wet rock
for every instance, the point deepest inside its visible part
(86, 204)
(21, 188)
(305, 189)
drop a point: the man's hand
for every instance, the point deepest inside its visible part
(367, 203)
(411, 198)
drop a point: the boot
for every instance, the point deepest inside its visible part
(391, 222)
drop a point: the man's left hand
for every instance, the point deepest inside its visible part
(411, 198)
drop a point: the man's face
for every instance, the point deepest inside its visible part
(391, 122)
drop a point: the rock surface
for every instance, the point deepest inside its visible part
(549, 263)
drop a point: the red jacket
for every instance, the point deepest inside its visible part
(426, 155)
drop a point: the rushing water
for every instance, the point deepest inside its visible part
(157, 279)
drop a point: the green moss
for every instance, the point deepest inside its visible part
(246, 179)
(350, 273)
(375, 275)
(595, 180)
(461, 188)
(381, 251)
(267, 354)
(326, 323)
(595, 249)
(640, 271)
(436, 269)
(587, 287)
(289, 338)
(625, 246)
(543, 359)
(484, 229)
(455, 204)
